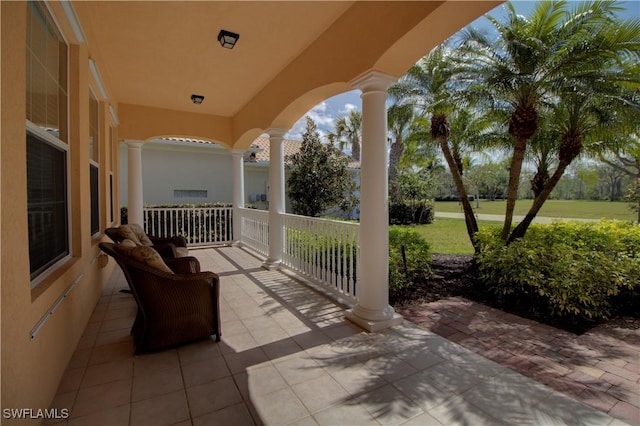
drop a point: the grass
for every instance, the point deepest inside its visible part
(449, 236)
(577, 209)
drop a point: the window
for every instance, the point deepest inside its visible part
(47, 203)
(190, 193)
(46, 141)
(46, 72)
(94, 172)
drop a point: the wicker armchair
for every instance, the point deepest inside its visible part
(169, 247)
(173, 308)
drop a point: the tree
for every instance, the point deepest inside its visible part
(568, 62)
(319, 176)
(427, 86)
(400, 117)
(348, 132)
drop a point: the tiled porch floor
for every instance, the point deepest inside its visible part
(287, 356)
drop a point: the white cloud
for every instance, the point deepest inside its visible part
(347, 108)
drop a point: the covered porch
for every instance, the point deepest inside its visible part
(288, 356)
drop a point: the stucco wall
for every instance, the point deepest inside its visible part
(32, 367)
(169, 167)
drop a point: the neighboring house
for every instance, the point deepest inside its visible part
(190, 171)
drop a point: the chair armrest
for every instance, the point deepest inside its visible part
(183, 265)
(177, 240)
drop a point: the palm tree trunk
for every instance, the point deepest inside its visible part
(522, 227)
(469, 217)
(395, 153)
(514, 181)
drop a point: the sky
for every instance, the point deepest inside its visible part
(328, 111)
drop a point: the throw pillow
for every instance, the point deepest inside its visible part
(127, 233)
(145, 255)
(142, 236)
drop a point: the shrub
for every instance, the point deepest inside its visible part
(413, 212)
(407, 269)
(576, 272)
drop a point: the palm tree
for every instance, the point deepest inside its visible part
(400, 117)
(348, 132)
(531, 60)
(427, 86)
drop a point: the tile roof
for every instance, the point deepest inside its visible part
(260, 147)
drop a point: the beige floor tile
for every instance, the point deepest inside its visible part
(320, 393)
(344, 414)
(282, 348)
(201, 372)
(97, 398)
(162, 410)
(111, 352)
(200, 351)
(213, 396)
(388, 405)
(111, 417)
(279, 408)
(235, 415)
(146, 364)
(262, 379)
(108, 372)
(159, 383)
(299, 369)
(238, 362)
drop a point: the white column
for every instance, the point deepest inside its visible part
(238, 193)
(372, 310)
(276, 198)
(134, 189)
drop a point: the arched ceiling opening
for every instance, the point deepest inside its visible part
(152, 56)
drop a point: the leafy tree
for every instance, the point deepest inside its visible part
(319, 177)
(348, 132)
(400, 117)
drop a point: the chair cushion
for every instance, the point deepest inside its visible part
(145, 255)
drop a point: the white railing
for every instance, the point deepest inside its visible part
(325, 251)
(199, 225)
(255, 230)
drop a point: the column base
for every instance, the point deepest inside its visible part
(272, 265)
(374, 325)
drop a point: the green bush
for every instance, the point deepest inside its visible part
(572, 271)
(414, 265)
(412, 212)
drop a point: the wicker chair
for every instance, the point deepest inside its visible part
(169, 247)
(172, 308)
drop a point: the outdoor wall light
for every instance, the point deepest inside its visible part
(197, 99)
(228, 39)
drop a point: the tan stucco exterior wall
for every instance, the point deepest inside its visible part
(32, 368)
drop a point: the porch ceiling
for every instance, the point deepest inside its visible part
(153, 55)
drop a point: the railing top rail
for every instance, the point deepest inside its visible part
(185, 208)
(323, 220)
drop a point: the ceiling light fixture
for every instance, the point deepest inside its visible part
(228, 39)
(197, 99)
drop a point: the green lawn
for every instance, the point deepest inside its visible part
(450, 235)
(551, 208)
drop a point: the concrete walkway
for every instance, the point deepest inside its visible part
(500, 218)
(600, 368)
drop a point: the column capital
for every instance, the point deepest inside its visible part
(276, 132)
(134, 144)
(373, 81)
(238, 152)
